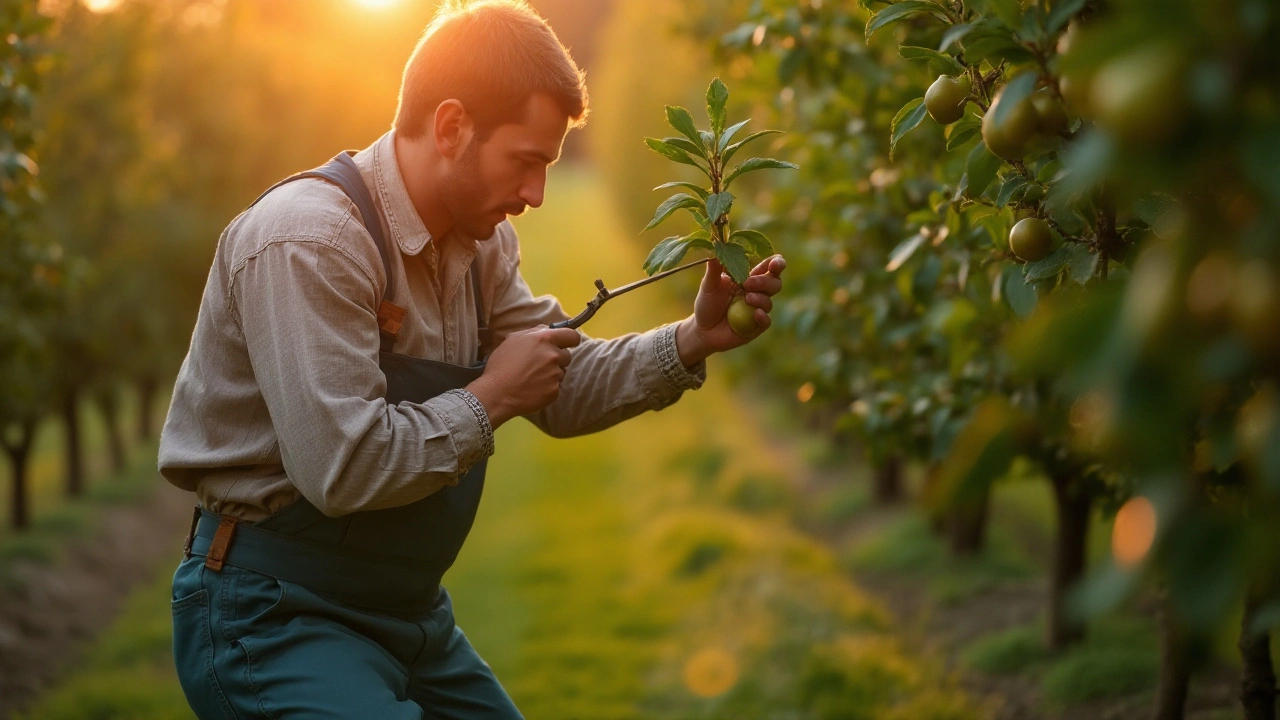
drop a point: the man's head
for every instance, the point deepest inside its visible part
(486, 100)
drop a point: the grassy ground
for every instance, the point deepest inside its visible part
(46, 473)
(646, 571)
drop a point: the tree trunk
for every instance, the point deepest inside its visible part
(1074, 504)
(967, 525)
(108, 403)
(146, 407)
(888, 481)
(74, 449)
(1258, 682)
(1175, 665)
(19, 512)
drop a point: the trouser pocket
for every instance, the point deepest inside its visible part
(193, 657)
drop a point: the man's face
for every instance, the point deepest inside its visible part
(507, 172)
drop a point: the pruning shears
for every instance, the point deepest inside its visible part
(606, 294)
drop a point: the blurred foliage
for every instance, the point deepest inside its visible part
(29, 287)
(1136, 352)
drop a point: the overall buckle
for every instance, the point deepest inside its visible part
(221, 542)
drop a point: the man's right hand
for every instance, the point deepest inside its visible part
(523, 374)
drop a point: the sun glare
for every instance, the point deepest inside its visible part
(102, 5)
(375, 3)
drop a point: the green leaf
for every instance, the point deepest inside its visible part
(728, 134)
(1009, 12)
(954, 34)
(682, 121)
(981, 167)
(754, 164)
(899, 11)
(670, 205)
(1017, 90)
(903, 252)
(939, 61)
(1084, 263)
(994, 47)
(668, 253)
(905, 121)
(1048, 266)
(1020, 296)
(734, 259)
(959, 132)
(1063, 11)
(717, 95)
(672, 153)
(754, 241)
(1007, 190)
(701, 191)
(660, 252)
(718, 205)
(685, 145)
(729, 151)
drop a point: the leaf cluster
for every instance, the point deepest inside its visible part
(710, 151)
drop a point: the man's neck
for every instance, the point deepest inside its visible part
(417, 165)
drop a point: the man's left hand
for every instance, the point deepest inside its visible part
(707, 330)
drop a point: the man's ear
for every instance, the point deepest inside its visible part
(453, 128)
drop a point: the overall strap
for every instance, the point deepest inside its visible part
(342, 171)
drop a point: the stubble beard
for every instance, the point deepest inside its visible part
(467, 197)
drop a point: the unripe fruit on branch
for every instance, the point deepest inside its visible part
(1141, 96)
(1009, 138)
(1031, 239)
(946, 97)
(1052, 116)
(742, 317)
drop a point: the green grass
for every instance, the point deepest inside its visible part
(1118, 657)
(908, 546)
(622, 574)
(46, 473)
(129, 671)
(1010, 652)
(43, 542)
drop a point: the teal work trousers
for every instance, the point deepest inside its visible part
(249, 646)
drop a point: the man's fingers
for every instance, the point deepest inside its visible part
(759, 300)
(565, 357)
(767, 284)
(772, 265)
(564, 337)
(711, 279)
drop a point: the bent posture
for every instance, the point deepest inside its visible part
(363, 331)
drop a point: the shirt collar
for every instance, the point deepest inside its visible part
(406, 226)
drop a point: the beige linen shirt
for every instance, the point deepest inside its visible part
(280, 393)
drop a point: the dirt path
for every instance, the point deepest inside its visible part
(53, 613)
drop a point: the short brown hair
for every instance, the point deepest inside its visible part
(492, 56)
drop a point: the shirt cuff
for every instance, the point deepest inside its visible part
(679, 377)
(470, 453)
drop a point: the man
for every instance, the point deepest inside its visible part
(332, 416)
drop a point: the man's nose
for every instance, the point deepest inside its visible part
(533, 189)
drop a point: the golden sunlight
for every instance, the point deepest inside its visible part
(102, 5)
(375, 4)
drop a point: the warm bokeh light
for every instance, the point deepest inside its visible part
(102, 5)
(710, 672)
(1133, 532)
(805, 393)
(375, 3)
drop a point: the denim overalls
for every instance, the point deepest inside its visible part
(306, 616)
